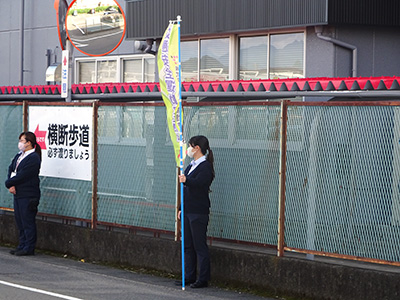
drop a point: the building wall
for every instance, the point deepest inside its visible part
(318, 65)
(202, 17)
(9, 25)
(40, 34)
(377, 46)
(209, 16)
(377, 49)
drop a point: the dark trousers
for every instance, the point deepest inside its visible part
(25, 211)
(196, 249)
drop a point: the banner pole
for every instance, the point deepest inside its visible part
(169, 66)
(181, 154)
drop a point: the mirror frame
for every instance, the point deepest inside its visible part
(62, 32)
(90, 54)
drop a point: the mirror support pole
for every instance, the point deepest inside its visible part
(22, 30)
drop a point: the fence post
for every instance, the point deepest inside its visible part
(25, 116)
(282, 177)
(177, 208)
(94, 163)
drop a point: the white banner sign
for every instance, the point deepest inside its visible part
(65, 136)
(64, 73)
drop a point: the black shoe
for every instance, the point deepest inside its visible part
(199, 284)
(187, 282)
(24, 253)
(13, 251)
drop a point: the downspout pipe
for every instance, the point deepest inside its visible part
(21, 35)
(318, 31)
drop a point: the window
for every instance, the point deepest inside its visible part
(106, 71)
(271, 56)
(140, 69)
(190, 61)
(214, 59)
(287, 56)
(253, 58)
(87, 72)
(132, 68)
(149, 69)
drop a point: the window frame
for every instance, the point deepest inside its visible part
(234, 49)
(268, 35)
(304, 51)
(119, 63)
(231, 41)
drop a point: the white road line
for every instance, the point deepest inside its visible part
(38, 291)
(79, 29)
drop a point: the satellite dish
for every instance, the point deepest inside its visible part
(61, 7)
(95, 27)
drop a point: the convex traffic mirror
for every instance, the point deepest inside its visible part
(95, 27)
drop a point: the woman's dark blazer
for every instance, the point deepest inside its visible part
(26, 181)
(197, 188)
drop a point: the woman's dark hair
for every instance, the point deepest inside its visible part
(31, 137)
(202, 142)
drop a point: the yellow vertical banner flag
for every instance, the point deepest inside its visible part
(168, 69)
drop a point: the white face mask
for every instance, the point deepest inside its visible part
(190, 152)
(21, 146)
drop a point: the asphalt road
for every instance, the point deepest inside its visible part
(43, 277)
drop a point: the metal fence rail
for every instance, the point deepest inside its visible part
(341, 193)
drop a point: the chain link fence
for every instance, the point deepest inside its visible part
(342, 173)
(342, 188)
(10, 128)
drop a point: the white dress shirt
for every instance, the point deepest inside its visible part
(195, 163)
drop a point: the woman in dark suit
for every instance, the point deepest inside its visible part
(23, 182)
(197, 180)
